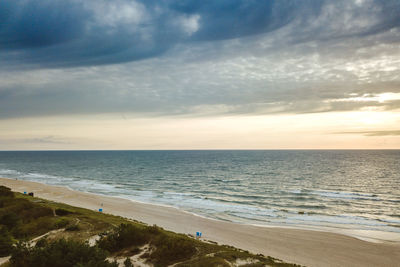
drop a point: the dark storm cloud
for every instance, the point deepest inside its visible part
(236, 18)
(202, 57)
(33, 24)
(57, 33)
(72, 33)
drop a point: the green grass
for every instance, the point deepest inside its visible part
(23, 217)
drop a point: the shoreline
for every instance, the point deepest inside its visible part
(374, 236)
(380, 228)
(301, 246)
(370, 235)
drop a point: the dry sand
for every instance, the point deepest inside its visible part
(306, 247)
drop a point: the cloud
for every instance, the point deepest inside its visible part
(35, 24)
(197, 57)
(374, 133)
(59, 33)
(44, 140)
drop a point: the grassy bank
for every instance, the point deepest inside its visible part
(71, 236)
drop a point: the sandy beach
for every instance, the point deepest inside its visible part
(306, 247)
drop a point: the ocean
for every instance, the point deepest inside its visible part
(316, 189)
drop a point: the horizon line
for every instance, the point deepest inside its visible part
(206, 149)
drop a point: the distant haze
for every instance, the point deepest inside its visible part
(199, 74)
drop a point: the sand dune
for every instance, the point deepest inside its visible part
(306, 247)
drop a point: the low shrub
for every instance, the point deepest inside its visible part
(33, 228)
(170, 249)
(128, 263)
(125, 235)
(6, 192)
(62, 212)
(61, 253)
(6, 242)
(10, 220)
(72, 228)
(34, 212)
(61, 223)
(42, 243)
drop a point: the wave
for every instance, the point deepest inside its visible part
(338, 220)
(296, 191)
(41, 176)
(9, 172)
(311, 206)
(236, 204)
(389, 220)
(345, 195)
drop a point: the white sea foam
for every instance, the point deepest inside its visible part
(341, 219)
(345, 195)
(8, 172)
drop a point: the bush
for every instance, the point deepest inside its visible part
(35, 212)
(17, 205)
(23, 218)
(170, 249)
(33, 228)
(125, 235)
(5, 242)
(26, 210)
(154, 230)
(10, 220)
(61, 223)
(61, 253)
(72, 228)
(42, 243)
(6, 192)
(128, 263)
(62, 212)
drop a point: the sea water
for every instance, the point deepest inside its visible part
(334, 189)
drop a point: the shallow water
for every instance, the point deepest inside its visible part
(356, 190)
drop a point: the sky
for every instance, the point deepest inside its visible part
(189, 74)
